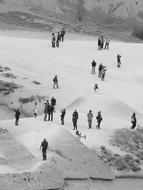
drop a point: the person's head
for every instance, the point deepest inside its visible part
(134, 114)
(90, 111)
(44, 140)
(99, 112)
(53, 34)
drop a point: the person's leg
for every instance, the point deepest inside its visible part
(51, 116)
(44, 154)
(45, 117)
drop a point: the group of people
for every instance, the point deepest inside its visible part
(57, 38)
(103, 43)
(101, 70)
(49, 109)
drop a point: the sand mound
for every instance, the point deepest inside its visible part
(110, 106)
(14, 154)
(69, 154)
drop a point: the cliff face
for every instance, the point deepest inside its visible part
(122, 8)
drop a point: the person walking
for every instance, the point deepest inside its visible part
(55, 81)
(99, 119)
(58, 37)
(63, 113)
(35, 111)
(17, 116)
(133, 121)
(89, 119)
(74, 119)
(44, 146)
(53, 40)
(93, 67)
(119, 61)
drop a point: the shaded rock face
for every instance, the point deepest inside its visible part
(122, 8)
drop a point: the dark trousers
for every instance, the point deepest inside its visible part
(16, 120)
(62, 38)
(55, 85)
(133, 125)
(75, 125)
(53, 44)
(62, 120)
(44, 154)
(98, 124)
(50, 116)
(106, 46)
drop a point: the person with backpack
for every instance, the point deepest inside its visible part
(89, 119)
(55, 81)
(53, 40)
(133, 121)
(74, 119)
(63, 113)
(99, 119)
(44, 146)
(93, 67)
(119, 61)
(17, 116)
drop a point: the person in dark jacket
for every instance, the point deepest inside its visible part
(74, 119)
(50, 112)
(99, 119)
(17, 116)
(133, 121)
(93, 67)
(119, 61)
(55, 81)
(53, 102)
(99, 70)
(99, 43)
(44, 146)
(62, 34)
(63, 113)
(103, 72)
(53, 40)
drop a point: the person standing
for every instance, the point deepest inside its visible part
(44, 146)
(103, 72)
(93, 67)
(55, 81)
(63, 113)
(58, 37)
(119, 61)
(46, 108)
(99, 119)
(53, 102)
(99, 70)
(50, 112)
(53, 40)
(89, 119)
(133, 121)
(35, 109)
(17, 116)
(62, 34)
(74, 119)
(107, 43)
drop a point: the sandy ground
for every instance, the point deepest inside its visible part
(117, 98)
